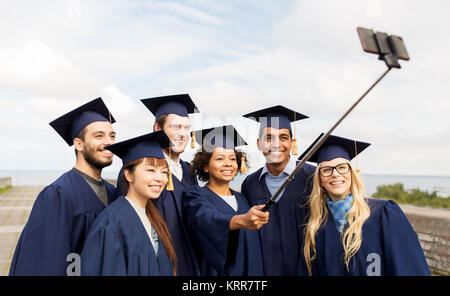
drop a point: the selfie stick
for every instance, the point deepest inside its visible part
(391, 61)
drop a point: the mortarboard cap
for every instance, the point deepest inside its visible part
(278, 117)
(335, 147)
(223, 136)
(181, 105)
(148, 145)
(69, 125)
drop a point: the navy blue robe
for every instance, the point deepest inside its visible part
(118, 244)
(281, 238)
(170, 206)
(389, 247)
(58, 224)
(224, 252)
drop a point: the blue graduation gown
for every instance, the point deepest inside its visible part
(170, 206)
(389, 247)
(224, 252)
(58, 225)
(118, 244)
(281, 238)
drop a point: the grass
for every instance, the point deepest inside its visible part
(5, 189)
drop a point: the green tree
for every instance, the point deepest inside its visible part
(417, 197)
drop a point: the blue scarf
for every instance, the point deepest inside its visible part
(338, 210)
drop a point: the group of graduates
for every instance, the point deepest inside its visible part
(160, 221)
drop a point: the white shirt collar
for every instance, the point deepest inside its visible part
(141, 212)
(175, 167)
(136, 207)
(288, 169)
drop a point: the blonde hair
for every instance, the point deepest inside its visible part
(357, 215)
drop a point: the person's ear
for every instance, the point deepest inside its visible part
(156, 127)
(206, 169)
(258, 144)
(128, 176)
(78, 144)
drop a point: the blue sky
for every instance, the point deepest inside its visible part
(232, 57)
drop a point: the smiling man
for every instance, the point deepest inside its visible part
(171, 114)
(65, 210)
(282, 237)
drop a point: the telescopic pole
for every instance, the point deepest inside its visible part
(271, 201)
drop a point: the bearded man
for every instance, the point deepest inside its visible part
(65, 210)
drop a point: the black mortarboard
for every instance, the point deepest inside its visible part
(181, 105)
(148, 145)
(69, 125)
(223, 136)
(335, 147)
(278, 117)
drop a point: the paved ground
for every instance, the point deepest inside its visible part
(426, 211)
(15, 207)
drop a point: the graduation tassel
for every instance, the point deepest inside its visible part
(243, 165)
(294, 147)
(243, 169)
(356, 158)
(294, 141)
(170, 181)
(192, 139)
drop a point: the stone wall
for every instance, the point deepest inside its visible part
(433, 229)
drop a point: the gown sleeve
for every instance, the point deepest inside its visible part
(209, 227)
(44, 244)
(402, 250)
(103, 253)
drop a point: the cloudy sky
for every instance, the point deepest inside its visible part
(232, 57)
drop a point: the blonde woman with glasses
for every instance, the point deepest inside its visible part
(348, 233)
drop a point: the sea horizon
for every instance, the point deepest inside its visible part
(430, 183)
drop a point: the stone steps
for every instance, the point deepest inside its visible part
(15, 207)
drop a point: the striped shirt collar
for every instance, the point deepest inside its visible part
(288, 169)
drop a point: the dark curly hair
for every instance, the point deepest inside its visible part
(201, 160)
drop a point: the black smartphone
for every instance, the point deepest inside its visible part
(398, 47)
(386, 44)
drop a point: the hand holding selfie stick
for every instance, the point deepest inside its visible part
(390, 49)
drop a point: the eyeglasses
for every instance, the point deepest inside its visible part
(342, 168)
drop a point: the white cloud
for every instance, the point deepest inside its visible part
(34, 68)
(233, 58)
(184, 11)
(320, 70)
